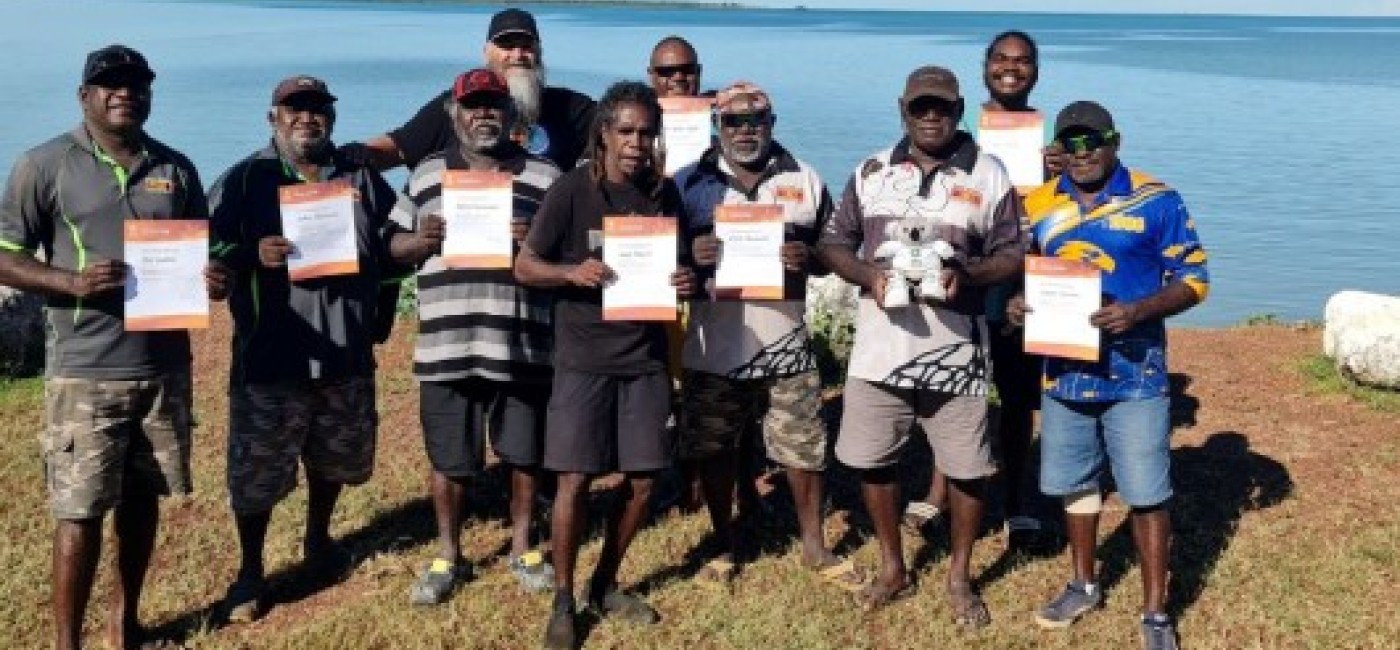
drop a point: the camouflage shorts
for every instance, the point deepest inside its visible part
(105, 438)
(716, 411)
(328, 424)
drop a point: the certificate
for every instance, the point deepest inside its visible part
(750, 262)
(1062, 294)
(1017, 138)
(165, 261)
(319, 220)
(477, 208)
(641, 251)
(685, 130)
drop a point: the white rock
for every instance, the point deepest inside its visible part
(1362, 336)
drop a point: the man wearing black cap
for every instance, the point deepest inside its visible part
(925, 362)
(118, 426)
(1115, 411)
(554, 121)
(301, 384)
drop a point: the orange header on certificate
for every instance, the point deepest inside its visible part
(309, 192)
(460, 179)
(1059, 267)
(752, 213)
(686, 104)
(635, 226)
(158, 230)
(1000, 120)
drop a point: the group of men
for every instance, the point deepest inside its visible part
(525, 357)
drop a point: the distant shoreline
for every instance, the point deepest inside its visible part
(647, 4)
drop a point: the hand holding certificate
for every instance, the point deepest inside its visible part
(477, 207)
(641, 251)
(1061, 295)
(1017, 139)
(750, 263)
(165, 276)
(685, 130)
(319, 220)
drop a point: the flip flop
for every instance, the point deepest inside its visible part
(842, 574)
(969, 610)
(718, 572)
(876, 596)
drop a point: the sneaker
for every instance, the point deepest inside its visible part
(1158, 632)
(534, 574)
(562, 632)
(243, 604)
(1077, 598)
(438, 582)
(626, 607)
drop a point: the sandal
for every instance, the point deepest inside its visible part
(842, 574)
(718, 572)
(969, 610)
(876, 595)
(919, 514)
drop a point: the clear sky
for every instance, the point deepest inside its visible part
(1265, 7)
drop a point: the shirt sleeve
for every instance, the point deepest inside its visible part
(551, 222)
(229, 242)
(426, 133)
(845, 227)
(1183, 256)
(24, 210)
(381, 201)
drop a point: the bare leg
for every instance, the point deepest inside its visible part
(77, 545)
(717, 477)
(967, 506)
(623, 523)
(522, 507)
(567, 524)
(807, 499)
(134, 525)
(1083, 537)
(448, 495)
(1152, 537)
(321, 496)
(880, 490)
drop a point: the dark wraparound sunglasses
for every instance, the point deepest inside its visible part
(673, 70)
(1085, 142)
(737, 120)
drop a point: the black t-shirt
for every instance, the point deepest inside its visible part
(565, 118)
(583, 341)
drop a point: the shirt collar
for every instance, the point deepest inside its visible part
(1120, 183)
(289, 170)
(780, 161)
(513, 159)
(964, 155)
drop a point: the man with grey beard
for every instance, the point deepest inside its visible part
(554, 121)
(483, 346)
(301, 385)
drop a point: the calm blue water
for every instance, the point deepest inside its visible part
(1280, 132)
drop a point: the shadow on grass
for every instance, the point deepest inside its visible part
(407, 525)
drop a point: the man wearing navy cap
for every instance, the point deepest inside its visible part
(118, 425)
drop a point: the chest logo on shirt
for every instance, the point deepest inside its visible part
(964, 194)
(1127, 223)
(1086, 252)
(158, 185)
(790, 193)
(533, 138)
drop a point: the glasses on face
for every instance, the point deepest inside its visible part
(923, 106)
(130, 80)
(1087, 141)
(479, 102)
(665, 71)
(313, 106)
(514, 42)
(757, 120)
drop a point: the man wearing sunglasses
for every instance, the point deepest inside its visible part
(301, 384)
(118, 426)
(1115, 411)
(927, 362)
(554, 121)
(749, 366)
(674, 69)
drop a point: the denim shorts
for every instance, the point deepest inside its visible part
(1134, 436)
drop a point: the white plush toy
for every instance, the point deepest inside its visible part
(916, 258)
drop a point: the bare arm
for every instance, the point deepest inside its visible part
(534, 271)
(381, 153)
(412, 248)
(1120, 317)
(21, 271)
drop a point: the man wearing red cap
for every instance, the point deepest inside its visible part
(483, 346)
(118, 425)
(554, 121)
(301, 384)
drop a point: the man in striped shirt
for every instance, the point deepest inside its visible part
(483, 346)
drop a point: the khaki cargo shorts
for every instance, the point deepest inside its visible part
(716, 411)
(329, 425)
(104, 438)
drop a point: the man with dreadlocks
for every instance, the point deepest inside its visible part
(611, 392)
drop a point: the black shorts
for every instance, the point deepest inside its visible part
(1015, 373)
(456, 416)
(609, 423)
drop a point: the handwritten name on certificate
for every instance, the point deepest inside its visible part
(641, 251)
(1062, 294)
(685, 130)
(165, 274)
(477, 207)
(750, 262)
(319, 220)
(1017, 138)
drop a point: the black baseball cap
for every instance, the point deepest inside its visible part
(1084, 114)
(115, 57)
(512, 21)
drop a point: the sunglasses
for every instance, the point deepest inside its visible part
(1086, 142)
(514, 41)
(756, 120)
(488, 101)
(673, 70)
(923, 105)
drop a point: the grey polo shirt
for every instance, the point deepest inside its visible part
(69, 199)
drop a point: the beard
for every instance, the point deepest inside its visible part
(483, 136)
(527, 89)
(746, 154)
(304, 148)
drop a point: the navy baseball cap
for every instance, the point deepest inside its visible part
(113, 58)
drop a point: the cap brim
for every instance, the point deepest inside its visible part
(515, 30)
(144, 71)
(301, 93)
(947, 97)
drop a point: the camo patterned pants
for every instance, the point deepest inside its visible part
(105, 438)
(329, 425)
(716, 411)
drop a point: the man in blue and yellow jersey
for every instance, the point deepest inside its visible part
(1137, 232)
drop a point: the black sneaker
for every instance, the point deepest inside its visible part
(1158, 632)
(1073, 602)
(562, 631)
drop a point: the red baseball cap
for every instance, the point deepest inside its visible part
(480, 80)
